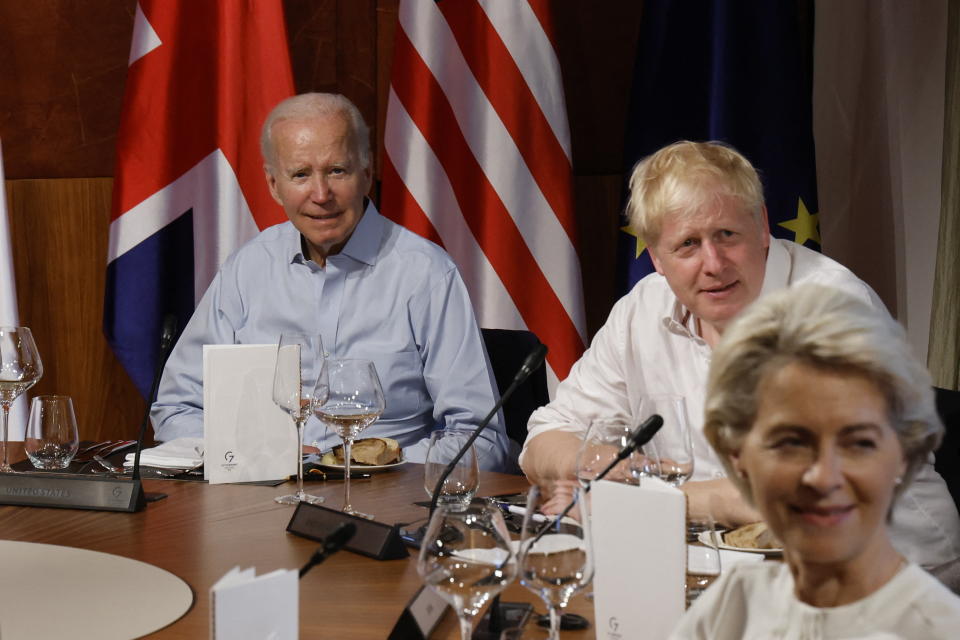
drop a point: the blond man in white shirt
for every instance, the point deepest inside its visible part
(699, 207)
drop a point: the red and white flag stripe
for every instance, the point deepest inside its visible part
(478, 160)
(8, 303)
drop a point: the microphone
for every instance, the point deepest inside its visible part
(167, 334)
(331, 544)
(530, 364)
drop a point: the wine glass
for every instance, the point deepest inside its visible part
(20, 368)
(703, 560)
(297, 380)
(354, 402)
(556, 555)
(467, 559)
(604, 439)
(51, 440)
(462, 483)
(672, 446)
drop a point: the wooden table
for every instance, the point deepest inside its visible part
(201, 531)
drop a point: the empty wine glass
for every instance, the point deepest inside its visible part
(703, 560)
(297, 379)
(672, 446)
(467, 559)
(604, 439)
(51, 440)
(20, 368)
(556, 555)
(354, 402)
(462, 483)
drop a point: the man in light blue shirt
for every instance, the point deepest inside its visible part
(371, 288)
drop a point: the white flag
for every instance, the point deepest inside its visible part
(8, 300)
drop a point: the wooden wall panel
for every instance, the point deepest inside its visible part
(59, 230)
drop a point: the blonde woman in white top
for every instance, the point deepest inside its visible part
(822, 416)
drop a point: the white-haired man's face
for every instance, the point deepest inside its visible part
(714, 260)
(319, 181)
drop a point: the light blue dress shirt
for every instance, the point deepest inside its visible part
(389, 296)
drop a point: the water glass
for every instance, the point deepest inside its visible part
(51, 440)
(672, 447)
(703, 567)
(604, 440)
(461, 485)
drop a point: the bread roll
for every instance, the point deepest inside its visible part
(370, 451)
(755, 535)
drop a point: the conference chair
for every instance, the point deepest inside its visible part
(948, 455)
(948, 466)
(507, 349)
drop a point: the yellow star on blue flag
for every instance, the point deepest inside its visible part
(805, 226)
(641, 245)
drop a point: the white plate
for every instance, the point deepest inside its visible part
(363, 468)
(705, 538)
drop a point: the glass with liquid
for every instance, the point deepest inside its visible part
(354, 401)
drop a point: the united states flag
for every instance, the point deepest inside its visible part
(478, 160)
(189, 185)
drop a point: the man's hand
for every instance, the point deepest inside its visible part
(552, 456)
(720, 499)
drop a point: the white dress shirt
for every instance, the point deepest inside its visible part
(649, 345)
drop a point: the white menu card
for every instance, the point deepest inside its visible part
(244, 606)
(247, 438)
(640, 553)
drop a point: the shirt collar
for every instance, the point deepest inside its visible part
(363, 245)
(777, 274)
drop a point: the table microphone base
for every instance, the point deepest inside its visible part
(71, 491)
(374, 539)
(512, 615)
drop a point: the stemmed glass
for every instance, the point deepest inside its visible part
(462, 484)
(354, 402)
(20, 368)
(556, 555)
(672, 447)
(467, 559)
(604, 439)
(298, 385)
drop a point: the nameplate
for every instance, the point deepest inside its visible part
(374, 539)
(71, 491)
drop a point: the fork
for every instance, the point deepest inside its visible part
(86, 454)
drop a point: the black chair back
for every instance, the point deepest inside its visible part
(507, 349)
(948, 455)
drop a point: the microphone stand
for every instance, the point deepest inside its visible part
(166, 345)
(532, 362)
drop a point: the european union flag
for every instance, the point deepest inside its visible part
(739, 71)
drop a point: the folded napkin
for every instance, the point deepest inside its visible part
(182, 453)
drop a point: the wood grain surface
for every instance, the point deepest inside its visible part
(201, 531)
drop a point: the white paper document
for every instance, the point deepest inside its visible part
(640, 554)
(246, 607)
(246, 436)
